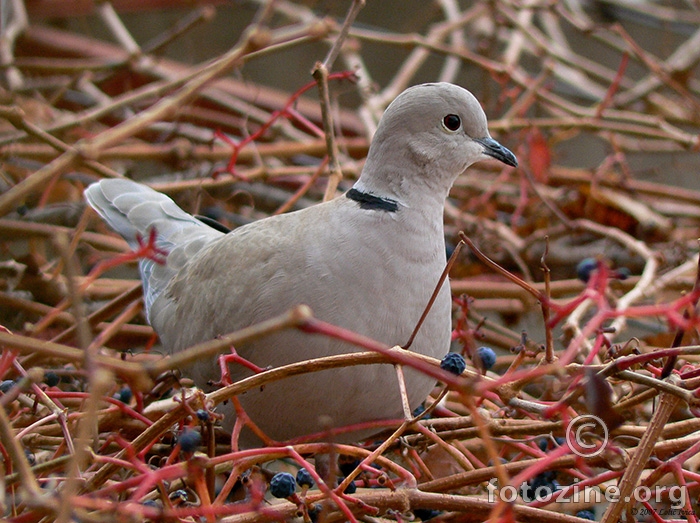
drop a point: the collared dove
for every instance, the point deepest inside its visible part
(367, 261)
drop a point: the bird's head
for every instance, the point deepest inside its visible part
(429, 135)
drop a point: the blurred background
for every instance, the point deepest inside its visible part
(581, 41)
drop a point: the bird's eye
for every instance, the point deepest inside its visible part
(452, 122)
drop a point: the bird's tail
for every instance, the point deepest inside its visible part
(134, 210)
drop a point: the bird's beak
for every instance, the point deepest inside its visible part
(496, 150)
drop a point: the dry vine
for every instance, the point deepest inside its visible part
(602, 263)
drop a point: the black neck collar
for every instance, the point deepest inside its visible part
(371, 202)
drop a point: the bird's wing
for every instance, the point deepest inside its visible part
(248, 275)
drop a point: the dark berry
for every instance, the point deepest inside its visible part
(203, 415)
(189, 440)
(546, 443)
(150, 503)
(545, 477)
(420, 409)
(304, 479)
(351, 488)
(449, 249)
(424, 514)
(585, 267)
(6, 385)
(124, 395)
(586, 514)
(541, 486)
(178, 497)
(282, 485)
(453, 362)
(487, 357)
(622, 273)
(51, 379)
(315, 512)
(31, 458)
(347, 464)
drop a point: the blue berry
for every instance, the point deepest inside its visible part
(351, 488)
(544, 478)
(586, 514)
(6, 385)
(542, 485)
(622, 273)
(487, 357)
(189, 440)
(282, 485)
(585, 267)
(546, 443)
(424, 514)
(449, 249)
(315, 512)
(420, 409)
(124, 395)
(304, 479)
(203, 415)
(51, 379)
(453, 362)
(347, 464)
(179, 496)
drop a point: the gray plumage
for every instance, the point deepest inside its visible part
(361, 267)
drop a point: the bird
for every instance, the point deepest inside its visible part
(368, 261)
